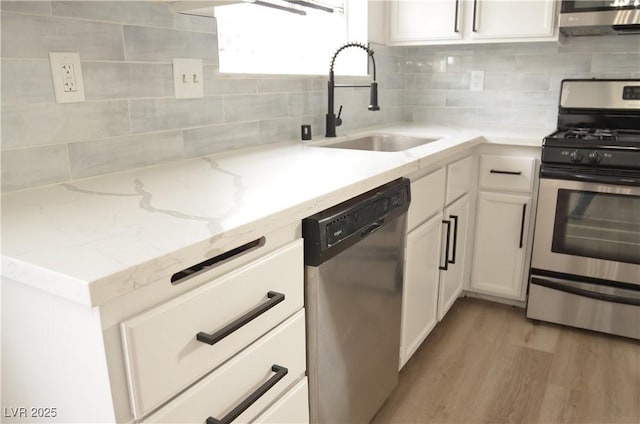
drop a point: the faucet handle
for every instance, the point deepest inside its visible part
(338, 119)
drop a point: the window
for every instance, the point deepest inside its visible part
(263, 39)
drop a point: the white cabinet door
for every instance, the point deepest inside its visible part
(500, 244)
(424, 20)
(420, 294)
(452, 278)
(513, 19)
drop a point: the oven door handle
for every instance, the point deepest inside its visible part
(577, 176)
(585, 293)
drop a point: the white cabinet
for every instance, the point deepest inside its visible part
(503, 229)
(452, 274)
(420, 292)
(499, 254)
(137, 357)
(417, 22)
(435, 250)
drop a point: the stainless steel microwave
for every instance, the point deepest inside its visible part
(599, 17)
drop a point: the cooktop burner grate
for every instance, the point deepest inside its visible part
(603, 134)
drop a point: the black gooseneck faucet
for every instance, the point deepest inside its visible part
(332, 121)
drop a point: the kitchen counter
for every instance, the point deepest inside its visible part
(96, 239)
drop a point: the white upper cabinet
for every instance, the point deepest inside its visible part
(512, 19)
(416, 22)
(419, 20)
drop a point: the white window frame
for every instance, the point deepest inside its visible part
(350, 62)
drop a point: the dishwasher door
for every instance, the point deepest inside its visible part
(354, 305)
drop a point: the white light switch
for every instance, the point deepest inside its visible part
(187, 78)
(67, 77)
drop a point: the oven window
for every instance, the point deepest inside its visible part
(597, 225)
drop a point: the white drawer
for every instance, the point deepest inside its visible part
(459, 179)
(507, 173)
(427, 198)
(292, 407)
(162, 353)
(227, 387)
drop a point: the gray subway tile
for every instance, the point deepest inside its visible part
(567, 63)
(516, 81)
(32, 167)
(307, 103)
(486, 99)
(26, 81)
(255, 107)
(219, 138)
(616, 62)
(215, 84)
(103, 156)
(426, 98)
(450, 81)
(43, 123)
(149, 115)
(162, 45)
(22, 6)
(122, 12)
(531, 117)
(30, 36)
(606, 44)
(195, 23)
(284, 85)
(104, 80)
(457, 116)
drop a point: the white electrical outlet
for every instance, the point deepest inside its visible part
(67, 77)
(477, 81)
(188, 78)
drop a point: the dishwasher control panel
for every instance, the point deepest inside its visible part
(333, 230)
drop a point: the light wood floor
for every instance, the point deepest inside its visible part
(486, 363)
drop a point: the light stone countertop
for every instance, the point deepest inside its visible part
(95, 239)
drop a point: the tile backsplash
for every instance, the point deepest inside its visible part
(522, 80)
(132, 119)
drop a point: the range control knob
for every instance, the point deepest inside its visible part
(594, 157)
(575, 156)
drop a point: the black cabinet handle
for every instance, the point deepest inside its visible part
(280, 372)
(445, 267)
(497, 171)
(455, 22)
(455, 238)
(213, 338)
(524, 213)
(475, 8)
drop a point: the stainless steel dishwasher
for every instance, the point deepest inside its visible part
(353, 296)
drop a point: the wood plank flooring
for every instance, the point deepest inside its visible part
(486, 363)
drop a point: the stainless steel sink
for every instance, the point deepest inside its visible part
(382, 143)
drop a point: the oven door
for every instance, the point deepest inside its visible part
(588, 229)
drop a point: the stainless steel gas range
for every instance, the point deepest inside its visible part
(585, 269)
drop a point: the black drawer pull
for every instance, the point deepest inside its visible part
(455, 238)
(280, 373)
(524, 214)
(497, 171)
(213, 338)
(447, 245)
